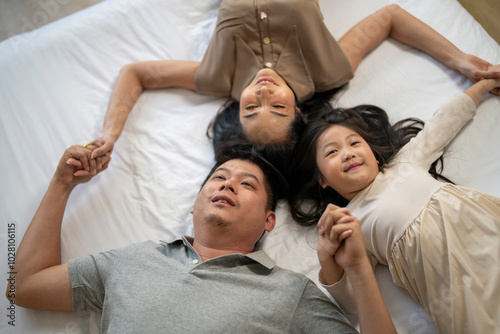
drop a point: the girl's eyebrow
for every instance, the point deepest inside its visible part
(330, 143)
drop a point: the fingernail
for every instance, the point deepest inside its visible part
(99, 166)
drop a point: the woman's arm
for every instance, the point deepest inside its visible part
(393, 21)
(132, 80)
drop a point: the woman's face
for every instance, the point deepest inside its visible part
(267, 107)
(346, 162)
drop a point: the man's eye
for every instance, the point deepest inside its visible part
(248, 184)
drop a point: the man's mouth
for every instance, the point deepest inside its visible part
(224, 200)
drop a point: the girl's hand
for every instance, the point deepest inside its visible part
(496, 90)
(74, 165)
(340, 237)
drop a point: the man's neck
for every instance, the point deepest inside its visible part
(208, 251)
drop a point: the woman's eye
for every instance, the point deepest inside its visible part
(250, 107)
(279, 107)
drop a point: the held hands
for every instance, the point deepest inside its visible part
(341, 244)
(102, 145)
(477, 69)
(76, 166)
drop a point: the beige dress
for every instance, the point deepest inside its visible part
(440, 241)
(288, 36)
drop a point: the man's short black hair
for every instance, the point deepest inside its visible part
(274, 182)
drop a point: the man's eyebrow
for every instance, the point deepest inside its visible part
(277, 113)
(244, 174)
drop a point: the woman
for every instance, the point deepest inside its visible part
(273, 58)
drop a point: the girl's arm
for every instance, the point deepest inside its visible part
(132, 80)
(393, 21)
(341, 248)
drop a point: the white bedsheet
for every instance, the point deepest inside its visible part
(55, 83)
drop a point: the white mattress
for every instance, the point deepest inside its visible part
(55, 83)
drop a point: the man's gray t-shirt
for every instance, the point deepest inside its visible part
(166, 288)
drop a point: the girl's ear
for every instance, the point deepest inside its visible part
(322, 182)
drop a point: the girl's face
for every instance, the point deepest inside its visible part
(346, 162)
(267, 107)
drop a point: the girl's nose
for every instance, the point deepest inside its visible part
(348, 155)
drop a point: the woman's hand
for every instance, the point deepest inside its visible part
(75, 166)
(101, 146)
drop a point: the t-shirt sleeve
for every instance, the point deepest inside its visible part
(317, 314)
(439, 131)
(88, 276)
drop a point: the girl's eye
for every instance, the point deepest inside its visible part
(354, 143)
(332, 152)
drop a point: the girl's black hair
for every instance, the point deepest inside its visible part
(307, 199)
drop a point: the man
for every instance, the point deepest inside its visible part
(211, 283)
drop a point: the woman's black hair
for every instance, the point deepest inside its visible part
(307, 199)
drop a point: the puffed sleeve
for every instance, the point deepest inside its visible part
(439, 131)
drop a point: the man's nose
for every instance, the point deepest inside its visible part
(228, 185)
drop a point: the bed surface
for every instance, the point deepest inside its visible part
(55, 86)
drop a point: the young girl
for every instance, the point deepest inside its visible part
(440, 241)
(271, 57)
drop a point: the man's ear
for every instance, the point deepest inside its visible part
(322, 182)
(270, 221)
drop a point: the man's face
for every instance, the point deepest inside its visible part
(232, 203)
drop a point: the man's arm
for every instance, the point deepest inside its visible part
(132, 80)
(393, 21)
(41, 280)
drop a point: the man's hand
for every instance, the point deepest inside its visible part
(76, 166)
(340, 236)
